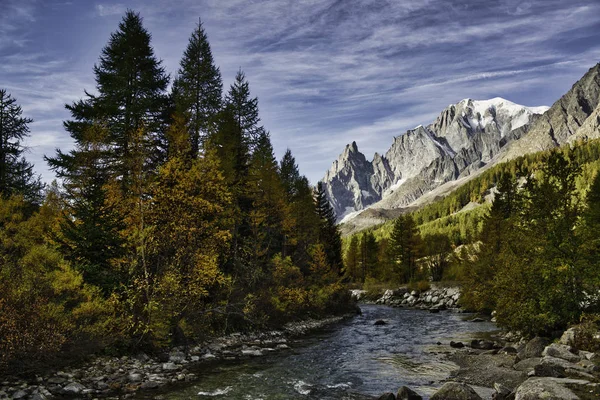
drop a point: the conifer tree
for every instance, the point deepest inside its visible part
(329, 233)
(405, 247)
(244, 108)
(352, 260)
(289, 175)
(368, 254)
(16, 174)
(198, 88)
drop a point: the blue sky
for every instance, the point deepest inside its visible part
(325, 72)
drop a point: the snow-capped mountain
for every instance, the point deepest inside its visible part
(464, 137)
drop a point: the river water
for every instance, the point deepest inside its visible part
(354, 359)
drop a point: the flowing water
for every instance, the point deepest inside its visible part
(354, 359)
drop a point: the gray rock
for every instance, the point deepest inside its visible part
(177, 357)
(57, 380)
(387, 396)
(74, 388)
(406, 393)
(19, 394)
(546, 389)
(568, 337)
(135, 377)
(252, 352)
(561, 351)
(528, 364)
(170, 366)
(149, 385)
(38, 396)
(455, 391)
(534, 348)
(501, 391)
(456, 345)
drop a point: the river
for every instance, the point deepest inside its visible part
(354, 359)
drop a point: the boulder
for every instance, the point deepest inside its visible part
(406, 393)
(527, 364)
(455, 391)
(387, 396)
(150, 385)
(170, 366)
(380, 322)
(252, 352)
(568, 337)
(534, 348)
(457, 345)
(561, 351)
(501, 392)
(19, 394)
(546, 389)
(176, 357)
(74, 388)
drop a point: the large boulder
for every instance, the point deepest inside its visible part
(406, 393)
(561, 351)
(74, 388)
(546, 389)
(568, 337)
(455, 391)
(534, 348)
(387, 396)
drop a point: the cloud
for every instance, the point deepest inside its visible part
(107, 10)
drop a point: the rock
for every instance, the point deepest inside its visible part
(387, 396)
(528, 364)
(142, 357)
(508, 350)
(170, 366)
(568, 337)
(546, 389)
(252, 352)
(561, 351)
(57, 380)
(208, 356)
(455, 391)
(457, 345)
(406, 393)
(19, 394)
(380, 322)
(74, 388)
(534, 348)
(38, 396)
(176, 357)
(434, 310)
(414, 293)
(135, 377)
(477, 319)
(501, 391)
(482, 344)
(150, 385)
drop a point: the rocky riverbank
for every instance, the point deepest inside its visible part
(124, 376)
(434, 299)
(528, 370)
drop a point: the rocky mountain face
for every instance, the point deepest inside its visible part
(463, 138)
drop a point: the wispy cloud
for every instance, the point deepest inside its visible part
(326, 72)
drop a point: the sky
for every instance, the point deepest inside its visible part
(326, 72)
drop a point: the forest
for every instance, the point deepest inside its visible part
(532, 255)
(171, 219)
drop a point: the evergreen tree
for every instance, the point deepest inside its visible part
(198, 88)
(329, 233)
(437, 249)
(131, 86)
(405, 247)
(289, 175)
(16, 174)
(352, 260)
(244, 108)
(368, 255)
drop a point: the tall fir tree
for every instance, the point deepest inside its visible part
(197, 89)
(244, 108)
(16, 173)
(329, 233)
(368, 255)
(405, 245)
(352, 260)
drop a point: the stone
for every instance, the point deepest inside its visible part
(19, 394)
(150, 385)
(135, 377)
(561, 351)
(406, 393)
(170, 366)
(252, 352)
(457, 345)
(57, 380)
(546, 389)
(455, 391)
(380, 322)
(176, 357)
(38, 396)
(501, 391)
(387, 396)
(568, 337)
(508, 350)
(74, 388)
(534, 348)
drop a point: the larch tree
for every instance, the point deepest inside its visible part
(405, 247)
(198, 88)
(329, 233)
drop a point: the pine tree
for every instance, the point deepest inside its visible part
(244, 108)
(16, 174)
(368, 255)
(329, 233)
(405, 247)
(131, 86)
(352, 260)
(289, 175)
(198, 88)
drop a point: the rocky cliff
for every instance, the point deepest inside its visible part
(463, 138)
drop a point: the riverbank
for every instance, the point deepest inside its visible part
(126, 375)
